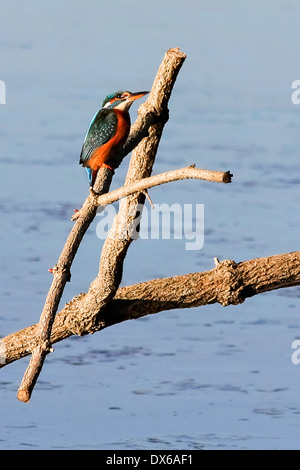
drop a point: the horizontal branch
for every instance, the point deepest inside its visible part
(189, 172)
(229, 283)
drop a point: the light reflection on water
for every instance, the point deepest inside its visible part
(205, 378)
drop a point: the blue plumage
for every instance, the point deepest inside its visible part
(107, 132)
(102, 128)
(90, 175)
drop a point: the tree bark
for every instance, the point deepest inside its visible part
(229, 283)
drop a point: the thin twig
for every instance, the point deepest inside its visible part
(188, 172)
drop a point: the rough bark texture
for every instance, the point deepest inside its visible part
(190, 172)
(229, 283)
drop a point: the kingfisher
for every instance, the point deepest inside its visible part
(108, 132)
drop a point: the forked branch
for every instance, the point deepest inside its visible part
(189, 172)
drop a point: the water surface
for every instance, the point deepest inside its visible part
(206, 378)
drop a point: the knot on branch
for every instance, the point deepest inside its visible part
(231, 287)
(45, 347)
(92, 199)
(63, 271)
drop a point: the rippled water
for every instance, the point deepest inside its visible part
(206, 378)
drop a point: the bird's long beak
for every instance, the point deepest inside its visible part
(135, 96)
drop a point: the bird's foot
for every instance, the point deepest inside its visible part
(107, 166)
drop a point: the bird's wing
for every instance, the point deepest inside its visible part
(102, 128)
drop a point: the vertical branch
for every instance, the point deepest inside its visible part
(61, 275)
(104, 287)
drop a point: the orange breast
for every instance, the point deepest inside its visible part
(105, 152)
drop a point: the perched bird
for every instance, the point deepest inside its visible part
(108, 132)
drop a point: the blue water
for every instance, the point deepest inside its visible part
(205, 378)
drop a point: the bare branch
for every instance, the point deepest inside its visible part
(189, 172)
(115, 247)
(229, 283)
(61, 275)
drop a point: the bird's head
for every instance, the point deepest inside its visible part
(122, 99)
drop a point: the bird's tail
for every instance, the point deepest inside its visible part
(92, 174)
